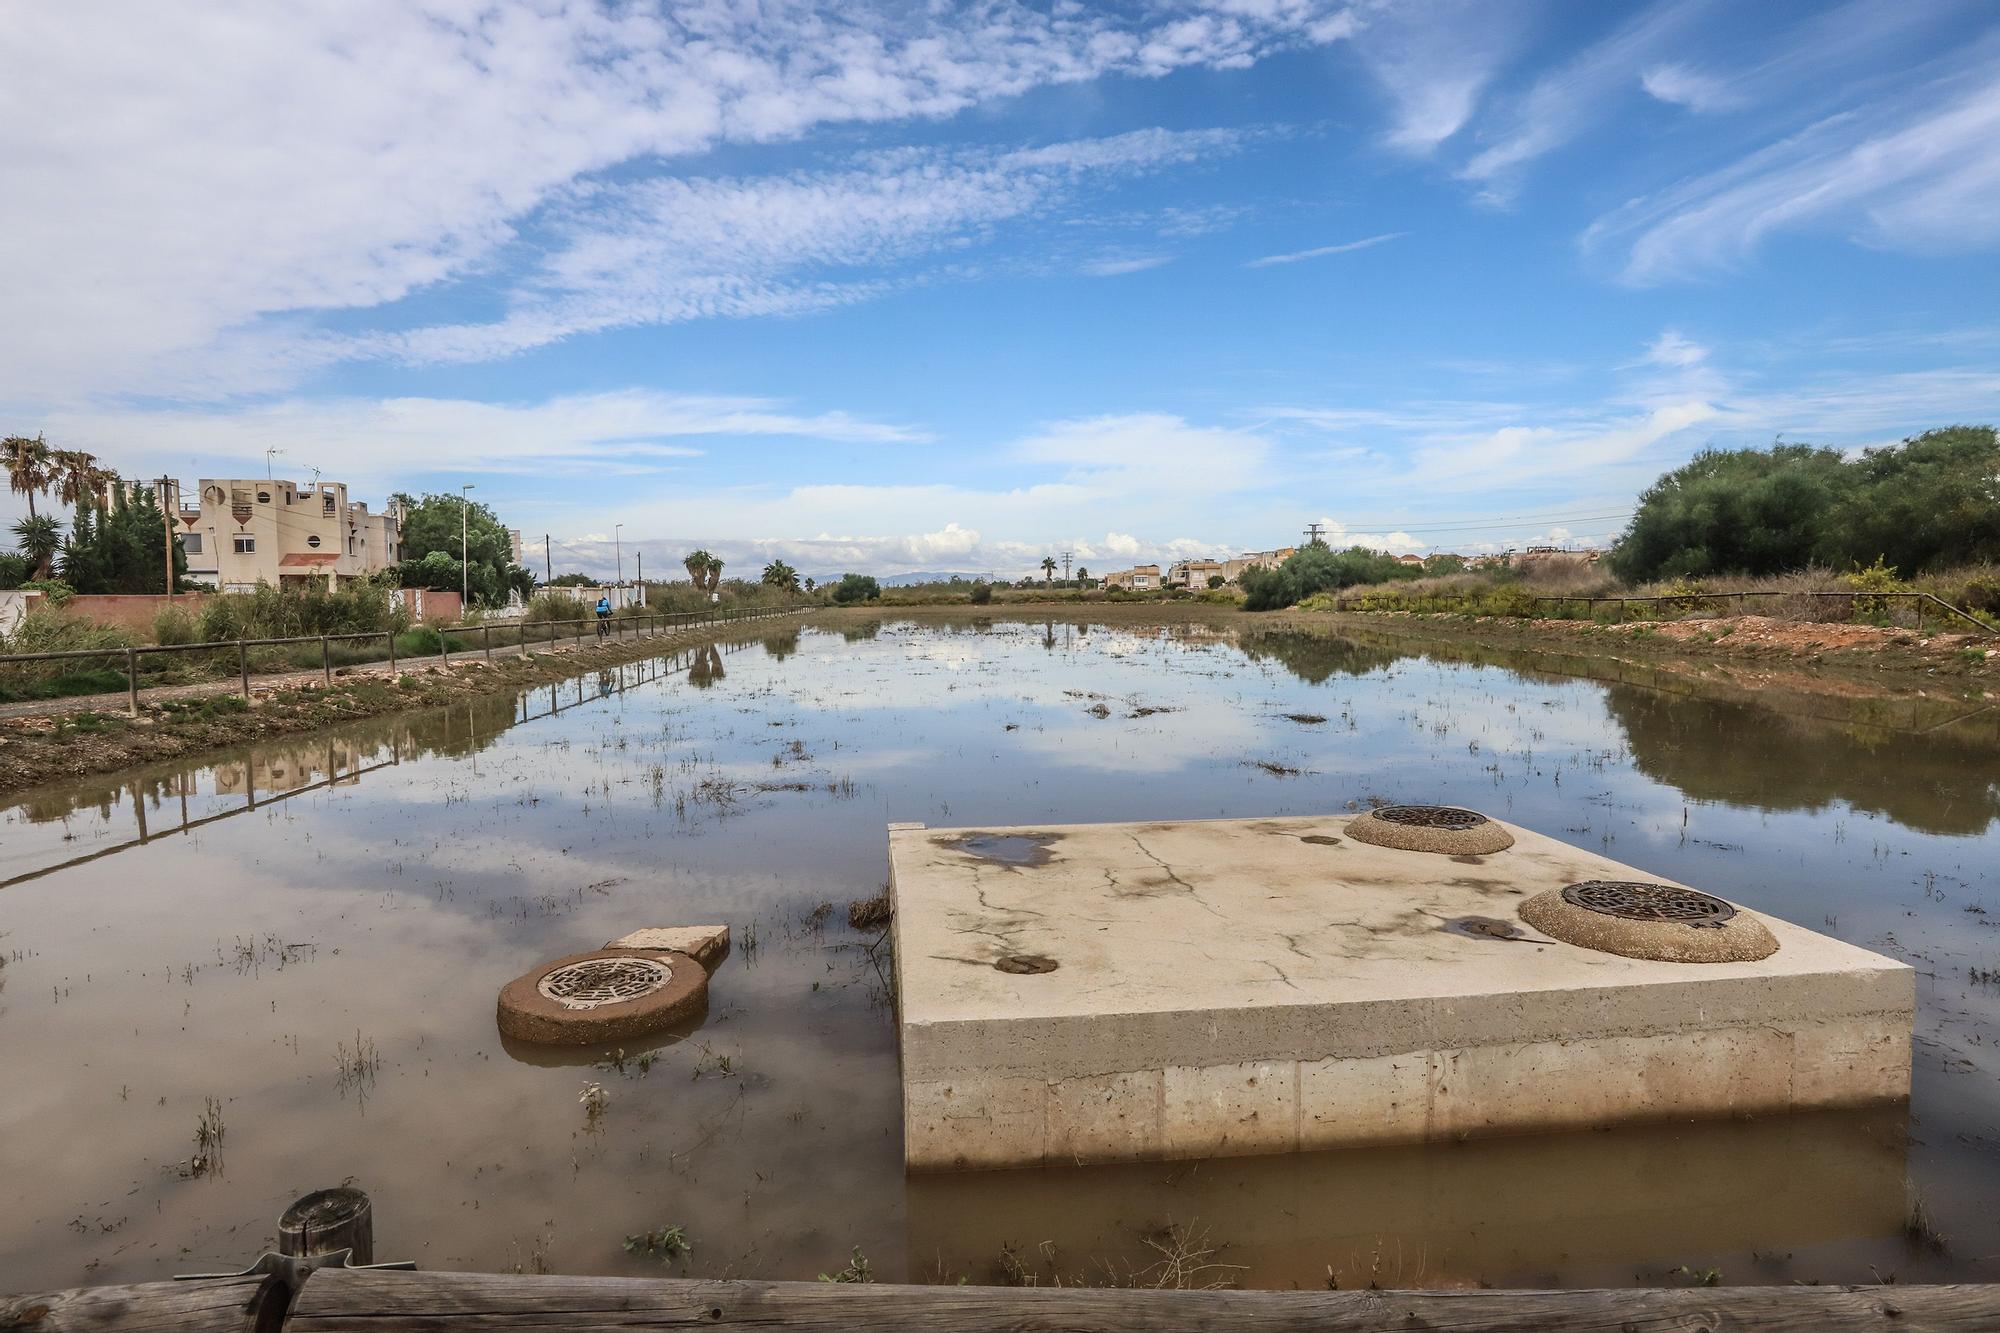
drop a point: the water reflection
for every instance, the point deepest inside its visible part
(226, 929)
(1614, 1205)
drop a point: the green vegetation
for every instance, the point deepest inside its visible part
(778, 574)
(704, 569)
(981, 594)
(432, 544)
(1315, 568)
(122, 548)
(1929, 502)
(359, 606)
(856, 588)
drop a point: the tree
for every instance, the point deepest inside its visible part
(572, 581)
(30, 467)
(1216, 581)
(1316, 567)
(1048, 568)
(39, 537)
(120, 549)
(856, 588)
(704, 569)
(982, 593)
(74, 475)
(809, 584)
(1932, 500)
(431, 529)
(1081, 574)
(778, 574)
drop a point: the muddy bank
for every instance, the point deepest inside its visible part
(39, 749)
(1750, 651)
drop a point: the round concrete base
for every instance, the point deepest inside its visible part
(1476, 840)
(590, 999)
(1740, 939)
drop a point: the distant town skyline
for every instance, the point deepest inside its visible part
(876, 288)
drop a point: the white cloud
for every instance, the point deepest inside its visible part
(1918, 172)
(1320, 252)
(1118, 268)
(1434, 59)
(1565, 101)
(1690, 88)
(374, 444)
(1671, 349)
(356, 152)
(669, 249)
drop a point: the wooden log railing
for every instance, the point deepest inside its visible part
(334, 1300)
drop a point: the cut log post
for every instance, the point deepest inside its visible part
(329, 1220)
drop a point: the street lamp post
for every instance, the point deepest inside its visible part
(619, 551)
(464, 549)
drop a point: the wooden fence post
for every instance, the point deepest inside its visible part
(325, 661)
(132, 681)
(326, 1221)
(243, 665)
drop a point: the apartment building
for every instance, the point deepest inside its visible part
(1233, 570)
(240, 533)
(1139, 578)
(1194, 574)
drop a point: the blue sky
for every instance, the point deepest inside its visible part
(945, 287)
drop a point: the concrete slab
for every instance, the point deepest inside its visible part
(1251, 986)
(704, 944)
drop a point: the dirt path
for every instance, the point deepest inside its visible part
(266, 681)
(68, 738)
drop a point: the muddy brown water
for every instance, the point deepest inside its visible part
(304, 941)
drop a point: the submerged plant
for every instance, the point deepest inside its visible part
(663, 1243)
(857, 1270)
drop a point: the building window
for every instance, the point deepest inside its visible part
(263, 497)
(245, 545)
(191, 543)
(329, 506)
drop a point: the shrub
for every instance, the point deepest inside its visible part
(55, 593)
(173, 624)
(856, 588)
(982, 593)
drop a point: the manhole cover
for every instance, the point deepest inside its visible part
(1634, 901)
(597, 981)
(1026, 964)
(1431, 816)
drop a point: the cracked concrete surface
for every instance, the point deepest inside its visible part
(1244, 986)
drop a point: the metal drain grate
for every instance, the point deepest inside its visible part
(1431, 816)
(1634, 901)
(599, 981)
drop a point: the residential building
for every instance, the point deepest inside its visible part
(1193, 574)
(1233, 570)
(1412, 561)
(1139, 578)
(240, 533)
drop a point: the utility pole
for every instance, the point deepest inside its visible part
(464, 548)
(1066, 556)
(268, 454)
(548, 559)
(1315, 533)
(169, 510)
(640, 554)
(618, 549)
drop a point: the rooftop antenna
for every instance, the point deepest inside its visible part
(268, 454)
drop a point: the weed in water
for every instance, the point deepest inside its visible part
(1920, 1225)
(857, 1270)
(1696, 1277)
(358, 1066)
(593, 1099)
(663, 1243)
(208, 1132)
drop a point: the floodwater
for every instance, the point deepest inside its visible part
(303, 943)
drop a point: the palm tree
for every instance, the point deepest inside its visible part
(29, 467)
(40, 537)
(1048, 568)
(713, 569)
(74, 474)
(778, 574)
(696, 562)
